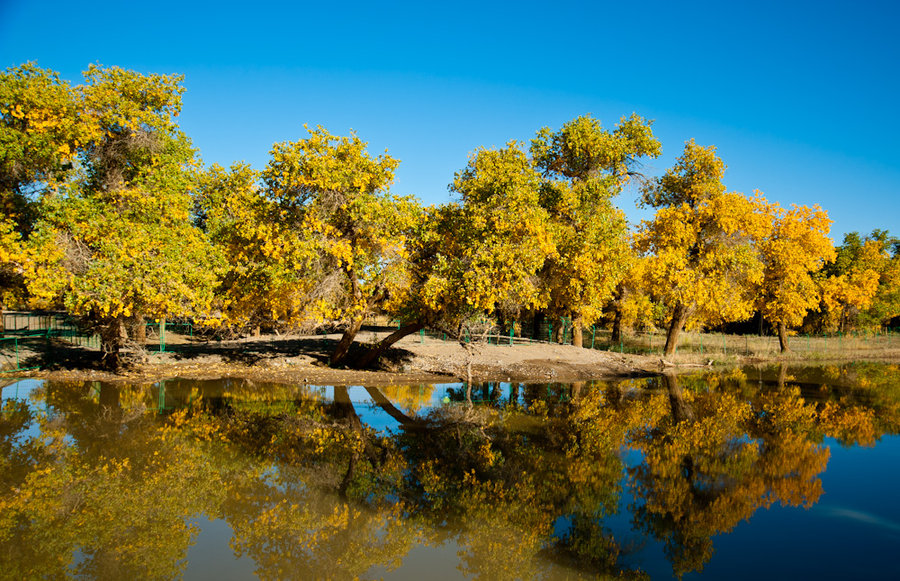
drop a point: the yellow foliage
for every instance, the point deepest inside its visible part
(794, 249)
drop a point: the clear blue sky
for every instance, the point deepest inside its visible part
(799, 97)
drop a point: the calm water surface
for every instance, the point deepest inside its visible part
(751, 473)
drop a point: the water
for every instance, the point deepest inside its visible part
(776, 473)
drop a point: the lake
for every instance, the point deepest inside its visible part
(775, 472)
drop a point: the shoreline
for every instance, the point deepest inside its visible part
(303, 359)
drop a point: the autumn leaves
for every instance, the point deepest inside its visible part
(109, 214)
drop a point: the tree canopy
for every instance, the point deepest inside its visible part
(109, 214)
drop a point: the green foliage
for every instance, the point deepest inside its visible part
(863, 284)
(122, 239)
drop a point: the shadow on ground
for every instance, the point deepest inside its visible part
(55, 354)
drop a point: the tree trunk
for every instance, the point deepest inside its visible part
(469, 380)
(384, 403)
(340, 352)
(112, 338)
(577, 336)
(679, 318)
(616, 305)
(782, 375)
(514, 390)
(782, 338)
(680, 409)
(371, 356)
(343, 407)
(616, 334)
(577, 387)
(137, 328)
(536, 326)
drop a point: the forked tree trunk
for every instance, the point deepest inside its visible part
(679, 318)
(782, 338)
(371, 356)
(343, 347)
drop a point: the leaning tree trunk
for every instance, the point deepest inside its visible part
(112, 339)
(679, 318)
(680, 409)
(371, 356)
(782, 338)
(343, 346)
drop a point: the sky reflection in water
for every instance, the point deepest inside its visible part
(648, 478)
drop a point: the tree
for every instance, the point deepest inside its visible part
(583, 167)
(40, 131)
(267, 280)
(715, 459)
(701, 263)
(336, 195)
(863, 283)
(795, 248)
(476, 258)
(126, 246)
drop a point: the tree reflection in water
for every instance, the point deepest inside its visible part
(521, 486)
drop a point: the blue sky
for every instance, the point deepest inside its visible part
(799, 97)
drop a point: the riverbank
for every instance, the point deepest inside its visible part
(303, 359)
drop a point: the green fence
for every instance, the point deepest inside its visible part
(653, 342)
(28, 336)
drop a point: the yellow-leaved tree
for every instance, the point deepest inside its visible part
(267, 280)
(124, 246)
(40, 130)
(862, 284)
(336, 196)
(584, 166)
(793, 250)
(700, 259)
(479, 257)
(494, 241)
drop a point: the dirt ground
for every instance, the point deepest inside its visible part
(303, 359)
(414, 359)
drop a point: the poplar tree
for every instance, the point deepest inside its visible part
(701, 263)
